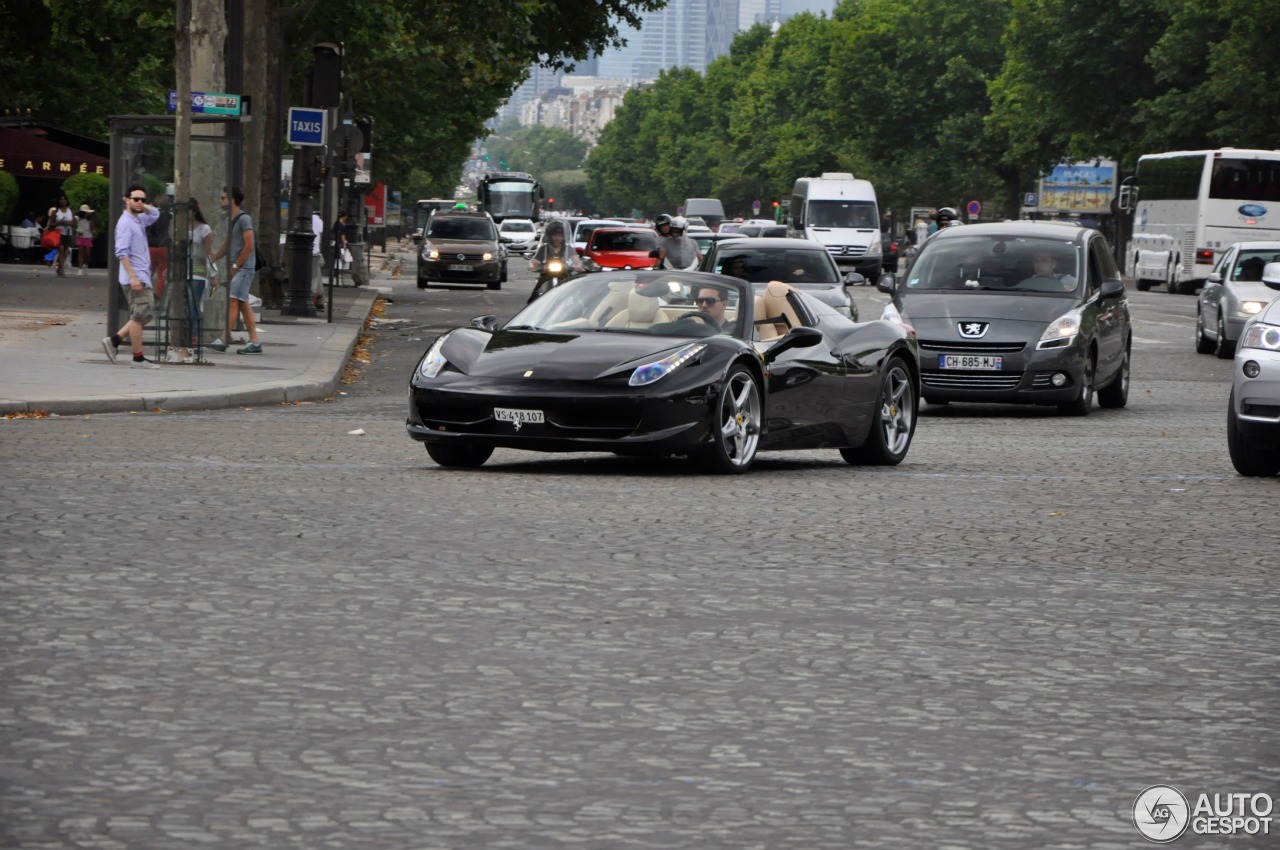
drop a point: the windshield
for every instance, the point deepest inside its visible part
(657, 303)
(859, 214)
(1250, 263)
(462, 229)
(996, 264)
(510, 198)
(585, 229)
(789, 265)
(517, 226)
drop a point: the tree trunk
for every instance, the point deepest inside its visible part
(264, 47)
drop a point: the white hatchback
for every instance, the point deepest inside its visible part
(1253, 418)
(519, 235)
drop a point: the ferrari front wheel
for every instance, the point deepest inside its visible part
(467, 457)
(895, 421)
(735, 431)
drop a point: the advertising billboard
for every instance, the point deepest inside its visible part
(1084, 188)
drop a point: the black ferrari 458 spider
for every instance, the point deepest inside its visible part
(669, 363)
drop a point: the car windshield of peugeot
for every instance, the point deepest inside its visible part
(997, 264)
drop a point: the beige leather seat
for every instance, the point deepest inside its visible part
(773, 305)
(641, 312)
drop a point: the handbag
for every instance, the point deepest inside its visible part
(51, 240)
(346, 256)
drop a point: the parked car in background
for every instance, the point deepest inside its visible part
(519, 235)
(1232, 294)
(461, 247)
(582, 231)
(804, 264)
(1253, 413)
(1017, 312)
(621, 248)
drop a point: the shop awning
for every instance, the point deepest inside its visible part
(32, 151)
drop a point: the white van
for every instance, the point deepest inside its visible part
(841, 213)
(709, 210)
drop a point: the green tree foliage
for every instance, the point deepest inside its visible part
(8, 196)
(91, 189)
(536, 150)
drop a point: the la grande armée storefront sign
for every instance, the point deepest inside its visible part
(49, 168)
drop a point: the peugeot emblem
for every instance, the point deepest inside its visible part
(973, 330)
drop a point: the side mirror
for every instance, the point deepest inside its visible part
(854, 279)
(795, 338)
(1112, 287)
(417, 237)
(655, 253)
(1271, 275)
(1214, 277)
(485, 323)
(887, 283)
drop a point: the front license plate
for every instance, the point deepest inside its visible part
(457, 267)
(970, 361)
(509, 414)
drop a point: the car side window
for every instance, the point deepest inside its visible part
(1101, 264)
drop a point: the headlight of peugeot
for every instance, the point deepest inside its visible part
(1252, 308)
(1061, 330)
(658, 369)
(1266, 337)
(433, 361)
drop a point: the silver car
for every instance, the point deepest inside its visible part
(1233, 294)
(1253, 418)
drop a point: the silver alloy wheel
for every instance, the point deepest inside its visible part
(897, 410)
(740, 420)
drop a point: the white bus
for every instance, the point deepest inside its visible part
(1193, 205)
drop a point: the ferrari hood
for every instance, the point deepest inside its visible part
(552, 356)
(917, 306)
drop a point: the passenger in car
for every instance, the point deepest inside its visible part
(1250, 269)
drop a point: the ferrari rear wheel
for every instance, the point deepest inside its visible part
(737, 425)
(467, 457)
(895, 423)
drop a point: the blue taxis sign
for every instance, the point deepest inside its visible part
(306, 126)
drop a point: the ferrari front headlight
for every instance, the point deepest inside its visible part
(659, 369)
(433, 361)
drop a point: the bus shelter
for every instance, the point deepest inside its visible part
(188, 314)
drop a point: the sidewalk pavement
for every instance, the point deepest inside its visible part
(51, 331)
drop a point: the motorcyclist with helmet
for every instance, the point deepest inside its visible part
(554, 246)
(677, 250)
(944, 217)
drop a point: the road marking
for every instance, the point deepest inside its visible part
(1146, 341)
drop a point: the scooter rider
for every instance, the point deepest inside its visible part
(552, 247)
(944, 217)
(678, 251)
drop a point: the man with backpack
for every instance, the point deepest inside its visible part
(240, 247)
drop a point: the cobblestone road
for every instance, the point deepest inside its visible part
(249, 629)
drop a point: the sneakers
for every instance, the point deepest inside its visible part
(109, 348)
(144, 363)
(251, 348)
(218, 345)
(80, 272)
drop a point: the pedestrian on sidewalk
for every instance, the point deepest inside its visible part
(317, 279)
(84, 237)
(339, 234)
(61, 217)
(135, 274)
(239, 247)
(204, 276)
(159, 240)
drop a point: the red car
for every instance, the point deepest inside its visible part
(621, 248)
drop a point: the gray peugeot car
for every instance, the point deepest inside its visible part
(1020, 312)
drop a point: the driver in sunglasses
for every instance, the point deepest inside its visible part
(712, 304)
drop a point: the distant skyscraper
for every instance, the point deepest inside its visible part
(673, 37)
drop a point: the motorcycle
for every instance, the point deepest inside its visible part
(554, 272)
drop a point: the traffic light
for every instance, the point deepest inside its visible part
(502, 162)
(551, 203)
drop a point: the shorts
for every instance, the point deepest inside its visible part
(84, 242)
(240, 284)
(142, 305)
